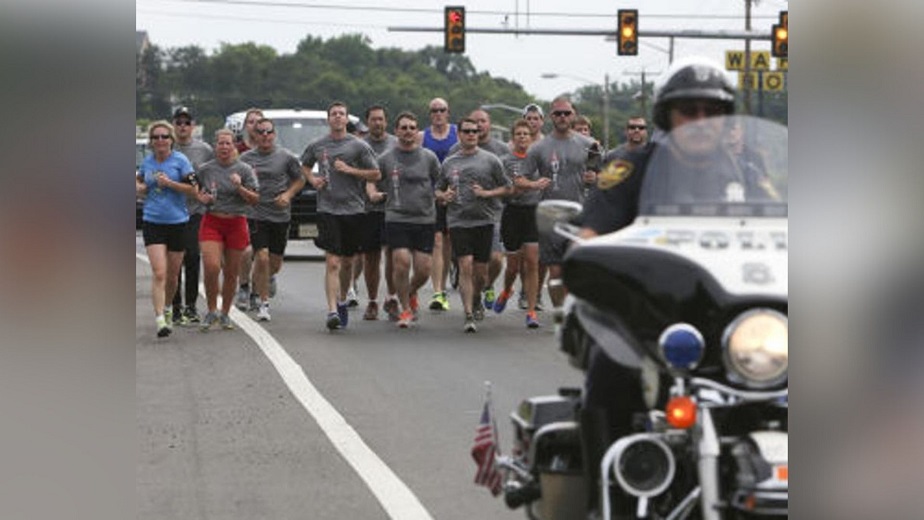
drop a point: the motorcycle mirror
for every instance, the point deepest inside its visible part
(551, 212)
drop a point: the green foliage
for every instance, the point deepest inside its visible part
(347, 68)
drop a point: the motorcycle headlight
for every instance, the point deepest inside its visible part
(756, 348)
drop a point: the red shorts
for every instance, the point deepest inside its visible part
(231, 231)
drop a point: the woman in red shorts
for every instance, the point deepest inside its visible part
(226, 187)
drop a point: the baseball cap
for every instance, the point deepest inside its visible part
(183, 111)
(532, 107)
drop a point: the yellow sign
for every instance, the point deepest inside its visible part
(773, 81)
(768, 81)
(760, 60)
(747, 81)
(782, 64)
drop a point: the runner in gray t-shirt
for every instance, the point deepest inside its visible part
(374, 228)
(281, 179)
(469, 180)
(345, 164)
(408, 175)
(561, 158)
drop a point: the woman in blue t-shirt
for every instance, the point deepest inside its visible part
(165, 178)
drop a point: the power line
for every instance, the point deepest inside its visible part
(378, 8)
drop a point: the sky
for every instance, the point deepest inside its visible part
(578, 60)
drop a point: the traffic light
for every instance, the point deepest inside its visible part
(628, 32)
(454, 30)
(781, 36)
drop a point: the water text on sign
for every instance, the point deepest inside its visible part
(760, 60)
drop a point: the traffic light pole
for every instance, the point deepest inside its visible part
(610, 33)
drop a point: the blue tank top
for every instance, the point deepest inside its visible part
(440, 147)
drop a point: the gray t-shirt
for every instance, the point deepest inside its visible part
(379, 147)
(513, 167)
(407, 181)
(461, 171)
(198, 154)
(563, 161)
(344, 194)
(275, 171)
(216, 179)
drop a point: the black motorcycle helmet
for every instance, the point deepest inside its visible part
(691, 78)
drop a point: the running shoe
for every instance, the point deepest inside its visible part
(444, 301)
(209, 320)
(254, 301)
(469, 324)
(478, 311)
(352, 300)
(243, 298)
(392, 309)
(272, 286)
(435, 303)
(414, 304)
(501, 302)
(372, 311)
(225, 322)
(333, 321)
(539, 302)
(343, 311)
(191, 314)
(531, 321)
(177, 317)
(489, 298)
(264, 314)
(404, 321)
(162, 329)
(523, 303)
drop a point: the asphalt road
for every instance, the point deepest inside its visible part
(225, 430)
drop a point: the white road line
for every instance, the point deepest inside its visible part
(396, 498)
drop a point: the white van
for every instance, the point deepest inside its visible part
(295, 128)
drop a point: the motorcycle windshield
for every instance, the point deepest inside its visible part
(728, 166)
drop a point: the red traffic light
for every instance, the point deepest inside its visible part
(454, 30)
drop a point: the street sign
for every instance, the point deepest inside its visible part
(782, 64)
(768, 81)
(760, 60)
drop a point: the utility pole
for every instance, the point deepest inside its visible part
(606, 111)
(747, 57)
(642, 96)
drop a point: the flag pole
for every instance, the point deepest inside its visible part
(489, 399)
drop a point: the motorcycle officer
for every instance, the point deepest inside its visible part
(690, 90)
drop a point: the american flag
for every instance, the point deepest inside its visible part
(483, 452)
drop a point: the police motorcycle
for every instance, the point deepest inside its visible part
(692, 297)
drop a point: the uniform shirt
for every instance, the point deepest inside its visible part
(165, 205)
(215, 178)
(275, 171)
(513, 167)
(613, 204)
(379, 147)
(461, 171)
(344, 194)
(440, 146)
(407, 181)
(561, 160)
(198, 154)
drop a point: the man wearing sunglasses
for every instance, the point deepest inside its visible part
(558, 165)
(636, 138)
(469, 181)
(198, 153)
(690, 90)
(280, 179)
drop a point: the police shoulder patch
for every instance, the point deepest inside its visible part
(614, 173)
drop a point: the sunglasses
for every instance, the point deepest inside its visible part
(155, 137)
(562, 113)
(636, 127)
(262, 131)
(694, 108)
(433, 110)
(182, 123)
(407, 127)
(469, 131)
